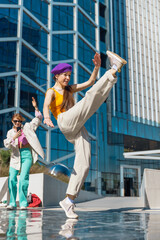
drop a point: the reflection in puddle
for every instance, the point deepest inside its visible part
(152, 227)
(67, 230)
(20, 224)
(52, 224)
(17, 228)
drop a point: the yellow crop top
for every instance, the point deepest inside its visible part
(55, 105)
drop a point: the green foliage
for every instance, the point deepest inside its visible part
(4, 157)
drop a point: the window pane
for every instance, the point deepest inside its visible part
(62, 47)
(8, 56)
(89, 7)
(34, 35)
(9, 1)
(86, 54)
(86, 28)
(7, 92)
(26, 93)
(38, 8)
(8, 22)
(62, 18)
(34, 67)
(5, 125)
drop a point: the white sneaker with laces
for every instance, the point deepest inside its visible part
(116, 60)
(68, 207)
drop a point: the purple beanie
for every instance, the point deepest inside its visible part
(61, 68)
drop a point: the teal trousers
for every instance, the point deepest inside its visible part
(26, 163)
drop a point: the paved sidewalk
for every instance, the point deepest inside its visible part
(107, 203)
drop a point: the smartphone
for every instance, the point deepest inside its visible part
(18, 128)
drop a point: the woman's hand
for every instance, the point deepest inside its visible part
(97, 60)
(48, 122)
(18, 134)
(34, 104)
(91, 81)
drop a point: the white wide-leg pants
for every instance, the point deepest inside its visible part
(71, 123)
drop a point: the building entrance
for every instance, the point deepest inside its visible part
(130, 181)
(128, 186)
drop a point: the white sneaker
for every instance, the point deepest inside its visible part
(116, 60)
(68, 207)
(23, 208)
(10, 207)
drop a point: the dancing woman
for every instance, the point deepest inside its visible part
(72, 117)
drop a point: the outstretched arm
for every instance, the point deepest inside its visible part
(91, 81)
(34, 124)
(34, 104)
(47, 102)
(37, 112)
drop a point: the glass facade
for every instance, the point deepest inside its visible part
(134, 110)
(36, 35)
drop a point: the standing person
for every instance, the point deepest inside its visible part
(25, 147)
(71, 118)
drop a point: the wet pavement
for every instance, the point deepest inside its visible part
(51, 223)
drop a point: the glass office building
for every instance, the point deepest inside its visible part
(35, 35)
(135, 117)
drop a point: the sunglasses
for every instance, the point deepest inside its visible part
(15, 121)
